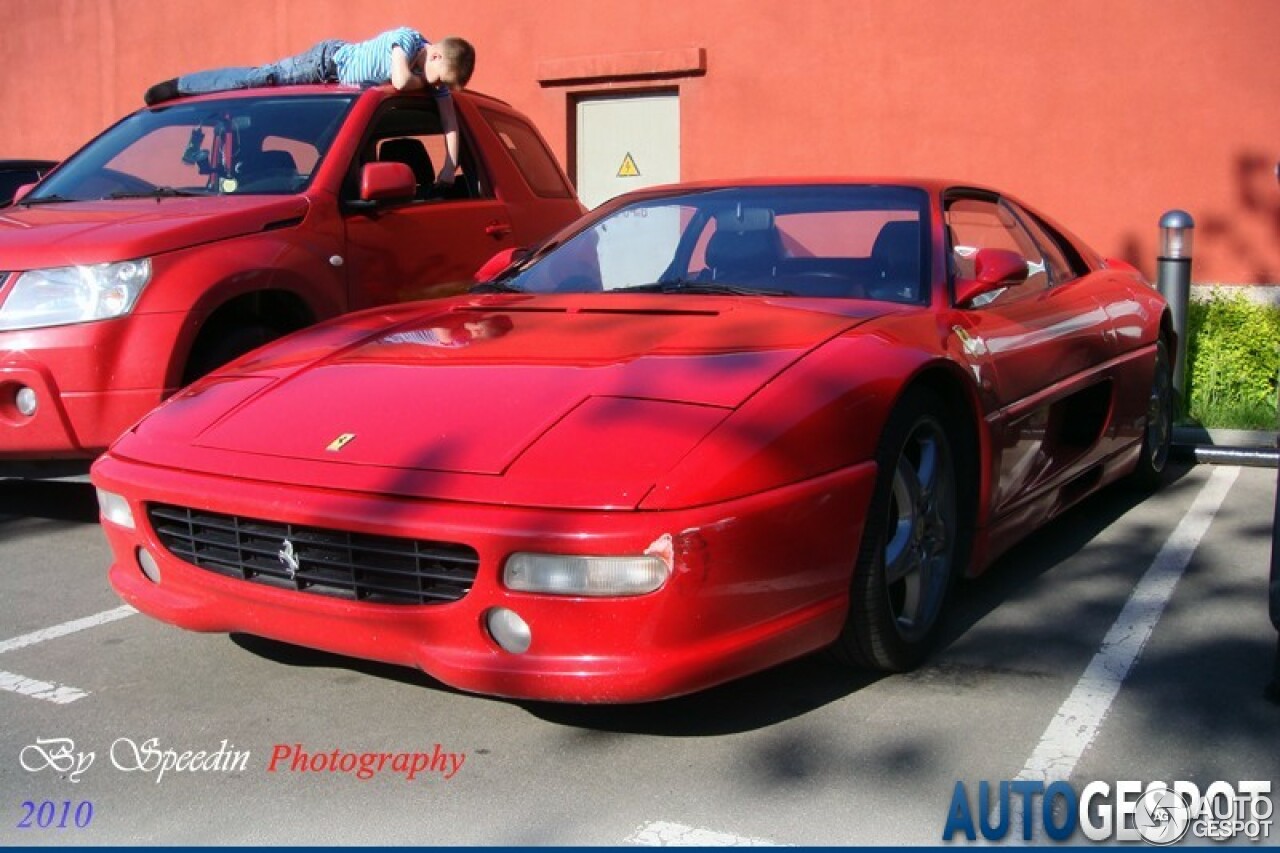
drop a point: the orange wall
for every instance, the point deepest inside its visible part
(1104, 112)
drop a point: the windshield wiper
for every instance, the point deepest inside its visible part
(494, 287)
(157, 193)
(48, 199)
(713, 287)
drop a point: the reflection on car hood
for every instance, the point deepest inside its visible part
(91, 232)
(477, 398)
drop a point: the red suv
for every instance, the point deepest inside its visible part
(193, 231)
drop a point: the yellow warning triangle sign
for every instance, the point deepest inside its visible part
(628, 168)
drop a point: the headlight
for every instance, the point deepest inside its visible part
(56, 297)
(560, 574)
(115, 509)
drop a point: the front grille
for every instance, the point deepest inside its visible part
(335, 563)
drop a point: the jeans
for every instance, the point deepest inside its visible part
(314, 65)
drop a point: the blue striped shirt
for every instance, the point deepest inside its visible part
(368, 63)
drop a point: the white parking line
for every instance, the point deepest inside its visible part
(662, 833)
(1076, 724)
(66, 628)
(59, 694)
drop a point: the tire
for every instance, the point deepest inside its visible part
(221, 344)
(909, 548)
(1148, 474)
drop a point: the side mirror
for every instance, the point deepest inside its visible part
(387, 182)
(22, 192)
(993, 269)
(498, 263)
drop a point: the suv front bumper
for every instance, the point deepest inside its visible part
(91, 381)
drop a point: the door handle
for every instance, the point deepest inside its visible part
(498, 230)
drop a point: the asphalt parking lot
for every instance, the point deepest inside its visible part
(1051, 665)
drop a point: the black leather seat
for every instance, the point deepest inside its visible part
(896, 260)
(268, 171)
(747, 256)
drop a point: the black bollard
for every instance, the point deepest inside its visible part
(1273, 689)
(1173, 278)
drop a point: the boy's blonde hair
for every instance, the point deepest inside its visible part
(461, 58)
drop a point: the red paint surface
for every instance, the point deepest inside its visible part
(744, 429)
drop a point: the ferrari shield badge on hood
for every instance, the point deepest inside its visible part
(340, 442)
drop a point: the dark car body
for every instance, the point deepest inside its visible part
(15, 174)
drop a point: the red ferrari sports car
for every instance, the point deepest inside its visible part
(708, 428)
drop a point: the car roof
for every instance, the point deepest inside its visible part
(930, 184)
(318, 89)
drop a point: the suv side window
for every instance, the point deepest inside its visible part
(530, 154)
(409, 132)
(979, 223)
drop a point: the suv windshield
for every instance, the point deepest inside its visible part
(262, 145)
(843, 241)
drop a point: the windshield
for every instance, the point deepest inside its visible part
(265, 145)
(850, 242)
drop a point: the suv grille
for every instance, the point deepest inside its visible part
(335, 563)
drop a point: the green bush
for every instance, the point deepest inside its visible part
(1233, 355)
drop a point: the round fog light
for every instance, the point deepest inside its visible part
(25, 401)
(149, 566)
(509, 630)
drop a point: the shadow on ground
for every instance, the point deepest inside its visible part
(59, 500)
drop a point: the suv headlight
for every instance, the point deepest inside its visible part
(79, 294)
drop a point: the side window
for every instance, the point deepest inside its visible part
(975, 224)
(410, 133)
(530, 155)
(1064, 264)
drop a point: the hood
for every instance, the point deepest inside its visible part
(105, 231)
(498, 399)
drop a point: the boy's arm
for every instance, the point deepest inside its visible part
(402, 74)
(449, 123)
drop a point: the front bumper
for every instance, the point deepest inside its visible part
(91, 380)
(755, 582)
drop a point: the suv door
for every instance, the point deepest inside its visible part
(430, 246)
